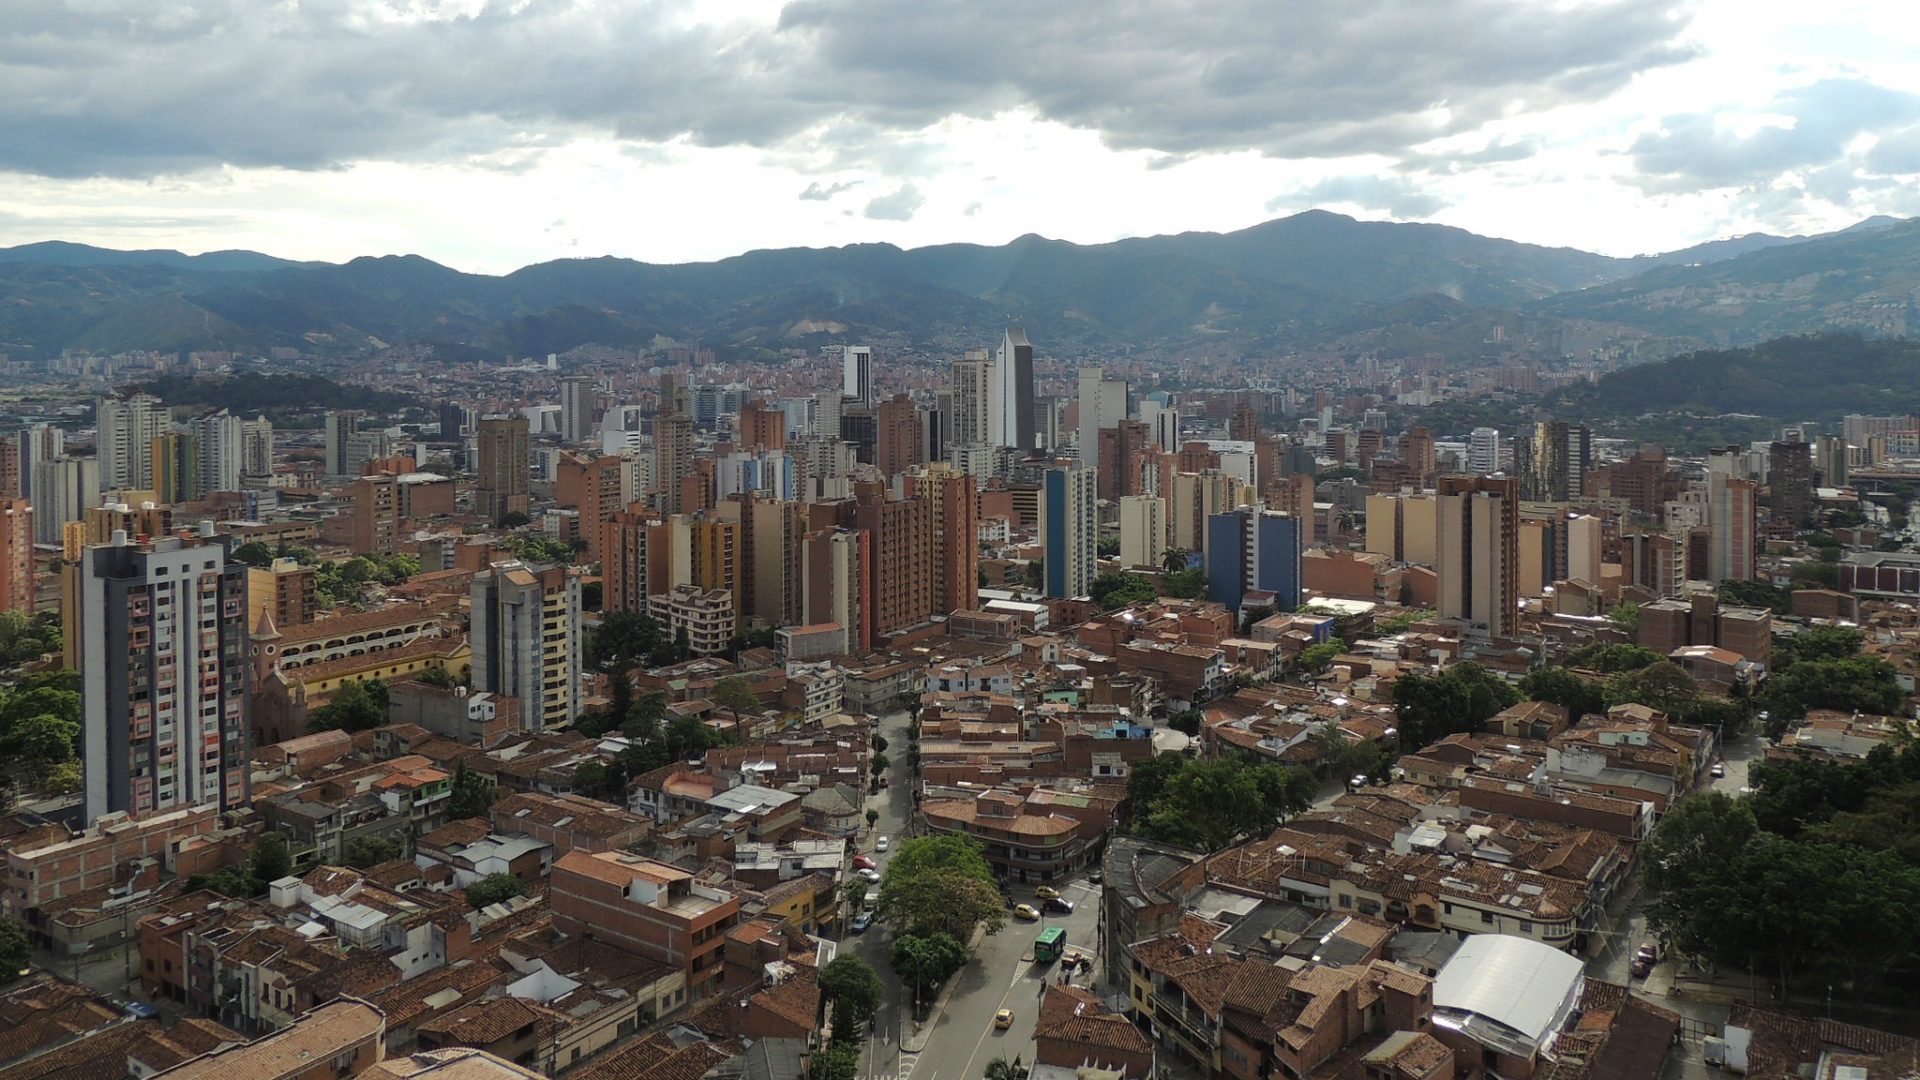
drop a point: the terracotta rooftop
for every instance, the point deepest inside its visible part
(318, 1036)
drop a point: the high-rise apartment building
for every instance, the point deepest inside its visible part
(592, 486)
(1790, 493)
(1103, 403)
(1013, 377)
(833, 576)
(340, 427)
(220, 445)
(975, 400)
(37, 443)
(64, 489)
(1251, 550)
(13, 484)
(856, 375)
(900, 441)
(1477, 553)
(526, 639)
(1163, 424)
(163, 676)
(175, 468)
(16, 556)
(1732, 518)
(1403, 527)
(126, 429)
(376, 515)
(624, 547)
(899, 590)
(1656, 561)
(1294, 494)
(761, 429)
(256, 448)
(1143, 530)
(1483, 450)
(1069, 530)
(1552, 460)
(503, 445)
(285, 591)
(954, 497)
(579, 409)
(1197, 496)
(672, 459)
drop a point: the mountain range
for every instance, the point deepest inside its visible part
(1315, 279)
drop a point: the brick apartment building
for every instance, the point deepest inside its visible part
(649, 908)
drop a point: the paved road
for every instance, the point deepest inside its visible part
(961, 1040)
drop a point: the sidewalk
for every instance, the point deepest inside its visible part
(922, 1031)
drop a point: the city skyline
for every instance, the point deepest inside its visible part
(688, 132)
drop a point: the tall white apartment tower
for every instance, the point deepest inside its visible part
(127, 428)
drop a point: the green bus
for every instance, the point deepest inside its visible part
(1049, 945)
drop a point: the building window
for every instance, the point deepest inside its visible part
(1486, 917)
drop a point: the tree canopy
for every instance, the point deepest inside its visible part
(1211, 804)
(852, 990)
(941, 884)
(494, 889)
(1562, 687)
(357, 705)
(1460, 699)
(1110, 592)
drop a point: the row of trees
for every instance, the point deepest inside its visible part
(335, 583)
(936, 891)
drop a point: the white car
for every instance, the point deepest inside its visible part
(1718, 770)
(880, 844)
(872, 876)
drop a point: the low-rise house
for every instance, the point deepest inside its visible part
(570, 822)
(339, 1039)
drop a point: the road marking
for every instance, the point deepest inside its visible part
(907, 1062)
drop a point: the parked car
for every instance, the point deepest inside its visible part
(1003, 1020)
(870, 874)
(1025, 911)
(880, 844)
(1644, 959)
(1057, 905)
(863, 862)
(1719, 770)
(1046, 892)
(861, 921)
(1097, 876)
(1357, 781)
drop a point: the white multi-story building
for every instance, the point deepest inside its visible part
(126, 430)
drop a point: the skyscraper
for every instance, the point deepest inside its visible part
(16, 556)
(163, 676)
(579, 408)
(126, 430)
(220, 445)
(256, 448)
(1143, 530)
(856, 375)
(672, 445)
(1163, 424)
(955, 499)
(1790, 484)
(527, 639)
(975, 401)
(1103, 403)
(1069, 529)
(64, 489)
(1732, 510)
(176, 467)
(1551, 461)
(340, 428)
(1477, 553)
(502, 486)
(1013, 374)
(1483, 451)
(900, 439)
(1253, 550)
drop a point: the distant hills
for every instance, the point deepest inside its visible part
(1315, 279)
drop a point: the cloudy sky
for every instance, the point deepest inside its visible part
(488, 134)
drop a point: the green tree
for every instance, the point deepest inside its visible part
(494, 889)
(254, 553)
(1755, 594)
(1460, 699)
(852, 990)
(1147, 779)
(623, 639)
(1173, 560)
(1184, 585)
(1315, 658)
(839, 1061)
(1111, 592)
(1565, 689)
(542, 549)
(514, 519)
(270, 860)
(873, 818)
(1610, 659)
(364, 851)
(941, 884)
(735, 694)
(1002, 1069)
(1626, 616)
(927, 960)
(1819, 643)
(436, 676)
(1859, 683)
(1209, 805)
(1187, 722)
(1664, 686)
(602, 780)
(853, 893)
(16, 950)
(357, 705)
(1344, 757)
(473, 794)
